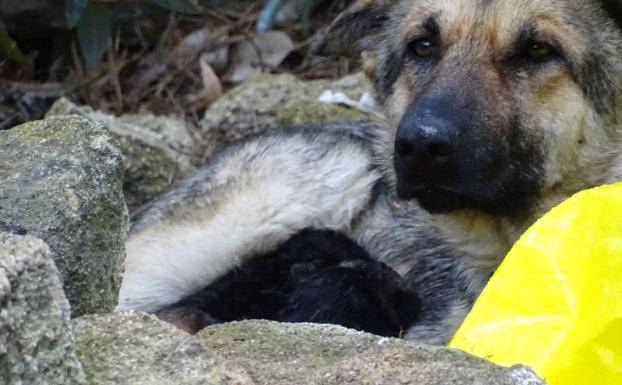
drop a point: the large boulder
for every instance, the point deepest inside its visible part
(133, 348)
(136, 349)
(36, 344)
(157, 150)
(278, 100)
(61, 181)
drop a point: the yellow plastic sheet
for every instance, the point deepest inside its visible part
(555, 303)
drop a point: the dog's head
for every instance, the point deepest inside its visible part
(490, 103)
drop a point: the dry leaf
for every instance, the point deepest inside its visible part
(211, 84)
(266, 50)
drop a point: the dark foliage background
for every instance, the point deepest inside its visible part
(164, 56)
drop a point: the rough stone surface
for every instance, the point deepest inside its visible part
(278, 100)
(135, 349)
(36, 344)
(300, 354)
(157, 149)
(61, 181)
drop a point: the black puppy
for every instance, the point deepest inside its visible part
(316, 276)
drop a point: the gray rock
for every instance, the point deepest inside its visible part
(61, 181)
(277, 100)
(135, 349)
(321, 354)
(157, 149)
(36, 344)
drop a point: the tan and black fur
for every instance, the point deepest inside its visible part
(494, 111)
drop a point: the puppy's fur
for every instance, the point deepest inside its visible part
(494, 111)
(316, 276)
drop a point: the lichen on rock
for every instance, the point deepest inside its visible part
(157, 150)
(61, 181)
(303, 112)
(277, 100)
(136, 349)
(303, 354)
(36, 344)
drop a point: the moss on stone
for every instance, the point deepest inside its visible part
(36, 344)
(66, 189)
(157, 150)
(132, 348)
(275, 353)
(136, 349)
(316, 112)
(269, 101)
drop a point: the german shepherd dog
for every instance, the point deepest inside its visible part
(494, 111)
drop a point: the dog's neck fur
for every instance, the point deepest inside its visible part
(485, 239)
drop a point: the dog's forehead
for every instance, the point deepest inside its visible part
(495, 21)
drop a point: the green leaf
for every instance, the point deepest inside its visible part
(94, 30)
(10, 46)
(190, 7)
(73, 11)
(305, 16)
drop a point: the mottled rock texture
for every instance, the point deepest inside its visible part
(278, 100)
(157, 150)
(133, 348)
(136, 349)
(36, 344)
(61, 181)
(300, 354)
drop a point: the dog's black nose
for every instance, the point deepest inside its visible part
(426, 140)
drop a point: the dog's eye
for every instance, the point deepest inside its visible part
(422, 47)
(539, 51)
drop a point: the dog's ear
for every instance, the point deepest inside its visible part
(614, 9)
(350, 32)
